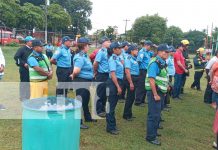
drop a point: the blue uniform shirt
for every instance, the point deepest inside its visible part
(82, 61)
(63, 57)
(32, 62)
(49, 48)
(170, 66)
(132, 64)
(102, 59)
(123, 55)
(154, 70)
(144, 57)
(116, 66)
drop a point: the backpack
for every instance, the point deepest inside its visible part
(93, 55)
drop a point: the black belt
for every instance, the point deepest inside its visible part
(119, 79)
(103, 73)
(135, 76)
(64, 68)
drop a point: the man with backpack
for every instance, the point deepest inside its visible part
(21, 57)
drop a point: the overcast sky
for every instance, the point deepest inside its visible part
(186, 14)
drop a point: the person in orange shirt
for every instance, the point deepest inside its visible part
(214, 86)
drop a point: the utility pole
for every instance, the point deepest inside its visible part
(1, 27)
(211, 39)
(172, 41)
(207, 39)
(126, 27)
(47, 3)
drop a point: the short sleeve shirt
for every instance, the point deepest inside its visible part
(179, 57)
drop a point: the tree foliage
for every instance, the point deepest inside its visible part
(58, 19)
(35, 2)
(9, 10)
(149, 27)
(196, 38)
(80, 11)
(173, 36)
(32, 17)
(29, 14)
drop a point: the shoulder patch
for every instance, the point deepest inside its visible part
(114, 57)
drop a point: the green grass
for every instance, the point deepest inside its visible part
(188, 126)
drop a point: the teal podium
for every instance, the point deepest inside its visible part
(51, 123)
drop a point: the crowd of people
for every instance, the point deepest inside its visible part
(129, 72)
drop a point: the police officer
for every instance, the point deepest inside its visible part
(49, 50)
(62, 58)
(83, 72)
(171, 73)
(199, 65)
(39, 71)
(143, 59)
(124, 55)
(156, 85)
(115, 82)
(21, 57)
(131, 80)
(101, 72)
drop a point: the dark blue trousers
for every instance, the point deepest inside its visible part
(130, 97)
(154, 115)
(63, 76)
(112, 99)
(178, 80)
(140, 91)
(101, 92)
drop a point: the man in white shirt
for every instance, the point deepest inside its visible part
(2, 66)
(208, 92)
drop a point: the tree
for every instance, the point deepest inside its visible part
(149, 27)
(110, 32)
(80, 11)
(35, 2)
(129, 35)
(173, 36)
(9, 12)
(32, 16)
(196, 38)
(58, 19)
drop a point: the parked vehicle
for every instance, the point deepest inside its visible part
(6, 37)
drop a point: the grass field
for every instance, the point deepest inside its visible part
(188, 125)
